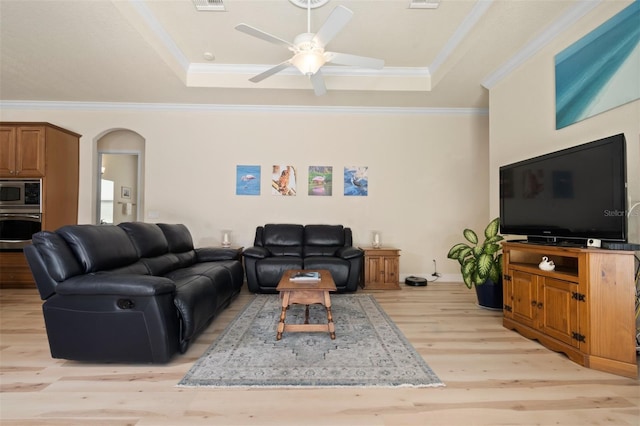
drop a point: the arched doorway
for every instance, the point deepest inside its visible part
(120, 184)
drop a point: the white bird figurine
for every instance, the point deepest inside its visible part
(546, 264)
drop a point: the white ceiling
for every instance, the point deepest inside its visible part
(152, 51)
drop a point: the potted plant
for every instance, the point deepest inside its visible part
(481, 264)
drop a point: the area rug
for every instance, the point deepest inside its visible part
(369, 349)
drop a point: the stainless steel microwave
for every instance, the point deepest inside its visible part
(20, 194)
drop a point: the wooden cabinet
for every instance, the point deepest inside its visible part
(22, 151)
(544, 304)
(14, 271)
(584, 308)
(381, 268)
(48, 152)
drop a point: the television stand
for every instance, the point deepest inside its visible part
(557, 242)
(585, 308)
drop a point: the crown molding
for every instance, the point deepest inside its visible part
(326, 70)
(336, 78)
(153, 107)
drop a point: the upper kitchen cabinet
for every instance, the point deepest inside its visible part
(22, 151)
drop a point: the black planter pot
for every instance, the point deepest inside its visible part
(490, 295)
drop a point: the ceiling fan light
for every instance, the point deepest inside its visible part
(308, 63)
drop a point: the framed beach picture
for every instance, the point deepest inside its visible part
(356, 181)
(247, 180)
(320, 180)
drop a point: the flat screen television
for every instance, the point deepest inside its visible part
(567, 196)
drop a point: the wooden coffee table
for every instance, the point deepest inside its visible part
(306, 293)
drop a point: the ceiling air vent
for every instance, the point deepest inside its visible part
(424, 4)
(209, 5)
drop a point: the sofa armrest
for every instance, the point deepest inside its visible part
(116, 284)
(212, 254)
(256, 252)
(349, 252)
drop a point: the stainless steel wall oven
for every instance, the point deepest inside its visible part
(20, 212)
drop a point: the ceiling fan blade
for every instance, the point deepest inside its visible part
(271, 71)
(333, 25)
(318, 84)
(354, 60)
(248, 29)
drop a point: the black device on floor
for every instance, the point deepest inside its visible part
(415, 281)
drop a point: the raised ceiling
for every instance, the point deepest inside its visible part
(168, 52)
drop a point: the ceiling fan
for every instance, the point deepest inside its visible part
(309, 54)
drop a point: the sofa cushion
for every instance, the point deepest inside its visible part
(147, 238)
(161, 265)
(98, 247)
(196, 300)
(178, 237)
(339, 268)
(236, 272)
(138, 268)
(288, 251)
(283, 235)
(57, 255)
(180, 243)
(329, 251)
(324, 235)
(270, 270)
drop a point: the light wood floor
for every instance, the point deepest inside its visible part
(493, 376)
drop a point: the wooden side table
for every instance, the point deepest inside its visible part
(381, 268)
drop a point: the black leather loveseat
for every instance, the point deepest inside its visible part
(135, 292)
(280, 247)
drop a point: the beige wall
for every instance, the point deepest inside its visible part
(430, 175)
(428, 172)
(523, 117)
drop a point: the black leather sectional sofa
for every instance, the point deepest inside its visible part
(135, 292)
(280, 247)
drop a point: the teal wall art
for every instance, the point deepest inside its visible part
(601, 71)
